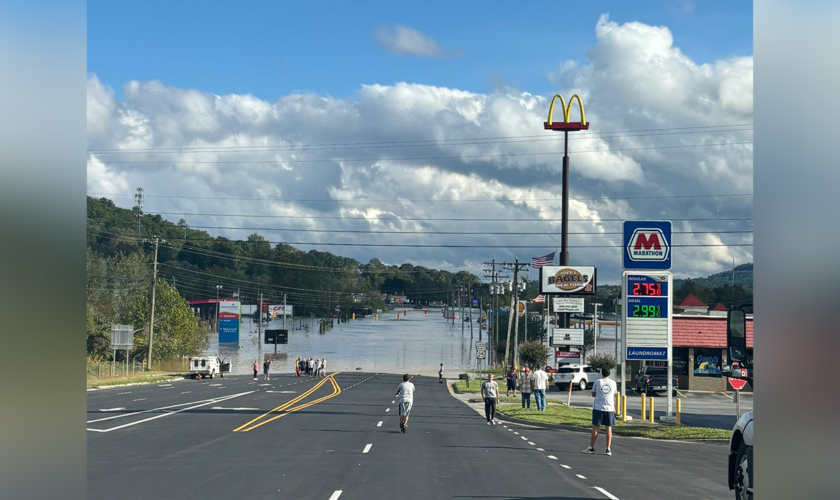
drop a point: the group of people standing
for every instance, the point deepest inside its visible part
(310, 367)
(531, 382)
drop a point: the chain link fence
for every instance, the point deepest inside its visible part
(106, 369)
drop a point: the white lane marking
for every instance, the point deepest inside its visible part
(140, 399)
(540, 449)
(580, 476)
(112, 409)
(281, 392)
(524, 438)
(263, 385)
(215, 385)
(165, 388)
(392, 402)
(234, 409)
(565, 466)
(510, 430)
(552, 457)
(504, 426)
(367, 448)
(164, 385)
(335, 495)
(606, 493)
(186, 392)
(122, 393)
(387, 409)
(531, 443)
(379, 424)
(207, 402)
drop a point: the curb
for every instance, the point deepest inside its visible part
(89, 389)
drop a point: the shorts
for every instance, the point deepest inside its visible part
(511, 386)
(405, 408)
(606, 418)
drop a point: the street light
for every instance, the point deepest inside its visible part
(218, 287)
(594, 327)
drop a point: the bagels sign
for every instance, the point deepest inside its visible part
(568, 280)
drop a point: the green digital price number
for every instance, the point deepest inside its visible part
(646, 311)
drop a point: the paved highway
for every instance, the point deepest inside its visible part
(339, 437)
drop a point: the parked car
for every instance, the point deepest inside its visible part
(653, 378)
(582, 376)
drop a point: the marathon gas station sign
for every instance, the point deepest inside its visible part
(647, 295)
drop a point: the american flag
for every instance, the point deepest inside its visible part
(545, 260)
(539, 299)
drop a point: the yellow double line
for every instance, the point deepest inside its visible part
(287, 407)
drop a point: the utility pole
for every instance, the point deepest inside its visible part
(152, 313)
(461, 301)
(469, 299)
(514, 301)
(138, 197)
(284, 310)
(259, 314)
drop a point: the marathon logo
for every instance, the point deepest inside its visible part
(648, 245)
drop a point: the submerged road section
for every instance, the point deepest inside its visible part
(339, 437)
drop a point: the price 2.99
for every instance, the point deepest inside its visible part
(642, 311)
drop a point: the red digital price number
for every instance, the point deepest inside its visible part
(647, 289)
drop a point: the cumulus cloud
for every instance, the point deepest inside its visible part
(405, 40)
(389, 155)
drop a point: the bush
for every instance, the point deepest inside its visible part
(601, 360)
(533, 353)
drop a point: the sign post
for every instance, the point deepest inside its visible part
(646, 298)
(122, 337)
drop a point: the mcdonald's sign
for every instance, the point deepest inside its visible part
(566, 124)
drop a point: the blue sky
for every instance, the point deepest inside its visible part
(270, 49)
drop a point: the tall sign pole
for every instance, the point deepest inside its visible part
(566, 127)
(152, 312)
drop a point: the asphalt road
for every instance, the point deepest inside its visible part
(306, 438)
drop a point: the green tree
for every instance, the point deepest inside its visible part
(176, 330)
(533, 353)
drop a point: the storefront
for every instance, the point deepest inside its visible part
(700, 346)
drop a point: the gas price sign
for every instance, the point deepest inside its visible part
(647, 302)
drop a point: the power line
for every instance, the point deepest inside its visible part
(461, 233)
(484, 200)
(409, 144)
(589, 132)
(379, 160)
(482, 219)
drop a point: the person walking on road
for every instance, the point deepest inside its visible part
(440, 374)
(603, 409)
(317, 367)
(297, 367)
(323, 367)
(539, 383)
(525, 388)
(490, 393)
(511, 381)
(256, 369)
(266, 366)
(406, 393)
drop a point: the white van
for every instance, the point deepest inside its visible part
(207, 366)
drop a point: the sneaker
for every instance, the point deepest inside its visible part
(488, 422)
(608, 452)
(589, 450)
(493, 422)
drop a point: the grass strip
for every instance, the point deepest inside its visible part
(580, 417)
(140, 378)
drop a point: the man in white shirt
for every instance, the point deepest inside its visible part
(539, 381)
(406, 393)
(603, 408)
(490, 393)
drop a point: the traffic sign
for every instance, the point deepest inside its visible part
(480, 354)
(737, 383)
(647, 244)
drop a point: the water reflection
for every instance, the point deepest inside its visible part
(418, 343)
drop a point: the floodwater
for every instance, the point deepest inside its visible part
(416, 344)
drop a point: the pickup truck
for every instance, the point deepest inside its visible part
(653, 378)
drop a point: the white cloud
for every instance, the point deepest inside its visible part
(405, 40)
(634, 78)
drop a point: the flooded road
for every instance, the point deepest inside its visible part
(418, 343)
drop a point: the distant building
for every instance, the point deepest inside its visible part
(691, 305)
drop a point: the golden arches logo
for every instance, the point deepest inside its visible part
(566, 111)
